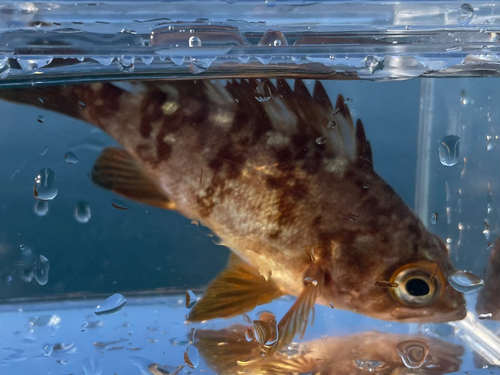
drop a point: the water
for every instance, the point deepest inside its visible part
(115, 295)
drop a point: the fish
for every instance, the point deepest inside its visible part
(285, 180)
(228, 352)
(488, 298)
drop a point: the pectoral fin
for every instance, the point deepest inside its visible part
(118, 171)
(296, 319)
(237, 289)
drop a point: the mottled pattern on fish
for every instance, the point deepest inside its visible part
(254, 172)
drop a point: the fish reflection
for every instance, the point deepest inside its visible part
(228, 352)
(287, 183)
(488, 299)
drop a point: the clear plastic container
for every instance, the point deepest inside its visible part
(422, 76)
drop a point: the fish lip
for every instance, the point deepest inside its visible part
(412, 316)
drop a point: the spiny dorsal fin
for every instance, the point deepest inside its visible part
(321, 97)
(363, 147)
(118, 171)
(237, 289)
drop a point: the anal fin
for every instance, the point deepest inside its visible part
(118, 171)
(237, 289)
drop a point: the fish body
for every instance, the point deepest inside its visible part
(286, 182)
(378, 352)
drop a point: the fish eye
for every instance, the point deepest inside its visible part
(418, 286)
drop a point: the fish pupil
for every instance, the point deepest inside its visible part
(417, 287)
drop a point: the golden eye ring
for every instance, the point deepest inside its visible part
(418, 285)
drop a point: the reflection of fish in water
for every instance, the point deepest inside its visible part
(488, 299)
(286, 182)
(376, 352)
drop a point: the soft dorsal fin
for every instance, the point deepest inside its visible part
(237, 289)
(118, 171)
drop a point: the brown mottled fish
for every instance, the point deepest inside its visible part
(361, 353)
(488, 298)
(286, 182)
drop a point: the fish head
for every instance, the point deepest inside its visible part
(398, 287)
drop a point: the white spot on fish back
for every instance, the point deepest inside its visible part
(169, 107)
(277, 139)
(337, 166)
(222, 117)
(169, 138)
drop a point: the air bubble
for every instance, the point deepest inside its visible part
(465, 14)
(194, 41)
(373, 64)
(47, 350)
(434, 218)
(41, 208)
(463, 98)
(270, 3)
(70, 158)
(147, 60)
(464, 282)
(263, 92)
(449, 151)
(190, 299)
(191, 357)
(84, 326)
(321, 140)
(277, 43)
(82, 213)
(40, 119)
(309, 281)
(112, 305)
(42, 266)
(45, 188)
(177, 60)
(485, 316)
(486, 230)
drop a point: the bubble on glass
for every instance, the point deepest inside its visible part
(434, 218)
(194, 41)
(70, 158)
(465, 14)
(449, 151)
(84, 326)
(263, 92)
(270, 3)
(321, 140)
(40, 119)
(41, 208)
(464, 281)
(147, 60)
(191, 357)
(41, 271)
(309, 281)
(413, 353)
(91, 366)
(120, 205)
(47, 350)
(464, 100)
(45, 187)
(190, 299)
(177, 60)
(82, 213)
(373, 64)
(485, 316)
(486, 229)
(111, 305)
